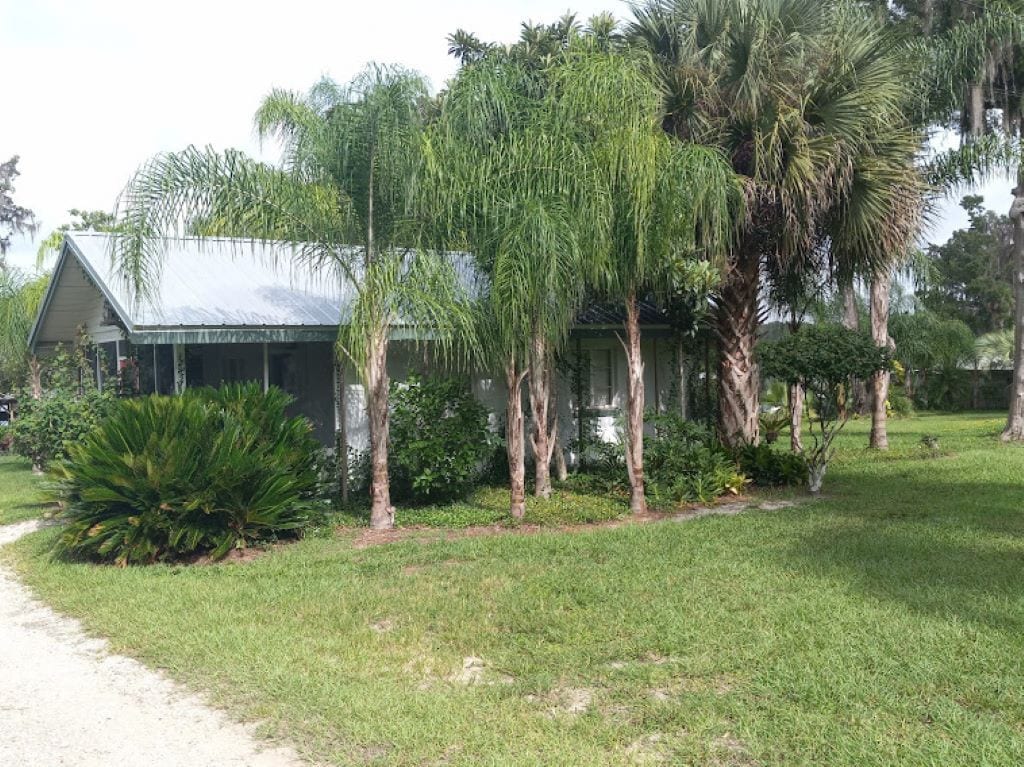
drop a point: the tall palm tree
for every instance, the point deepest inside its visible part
(509, 186)
(793, 92)
(873, 229)
(344, 198)
(20, 295)
(668, 199)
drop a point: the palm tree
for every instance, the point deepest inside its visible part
(793, 92)
(969, 68)
(20, 295)
(343, 198)
(513, 189)
(667, 199)
(874, 231)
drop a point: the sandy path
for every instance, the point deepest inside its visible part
(65, 700)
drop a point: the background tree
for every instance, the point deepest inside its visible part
(20, 295)
(793, 92)
(970, 275)
(14, 219)
(81, 221)
(343, 199)
(931, 350)
(970, 67)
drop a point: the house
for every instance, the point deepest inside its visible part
(233, 310)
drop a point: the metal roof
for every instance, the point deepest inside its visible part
(220, 290)
(215, 282)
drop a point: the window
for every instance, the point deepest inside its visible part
(602, 378)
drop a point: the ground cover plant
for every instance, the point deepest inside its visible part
(204, 472)
(879, 625)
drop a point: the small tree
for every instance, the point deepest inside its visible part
(824, 360)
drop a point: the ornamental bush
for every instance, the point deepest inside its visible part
(68, 407)
(767, 467)
(685, 463)
(211, 470)
(825, 359)
(440, 439)
(46, 428)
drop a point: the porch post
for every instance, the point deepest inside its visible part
(156, 372)
(117, 365)
(180, 381)
(340, 428)
(266, 367)
(657, 389)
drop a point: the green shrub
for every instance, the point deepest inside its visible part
(684, 463)
(766, 467)
(440, 440)
(69, 408)
(45, 428)
(899, 404)
(165, 477)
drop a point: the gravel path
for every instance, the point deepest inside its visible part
(66, 700)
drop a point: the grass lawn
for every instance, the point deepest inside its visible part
(881, 625)
(21, 494)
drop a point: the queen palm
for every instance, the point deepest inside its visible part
(515, 190)
(343, 198)
(793, 92)
(666, 200)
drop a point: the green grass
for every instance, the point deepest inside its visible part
(489, 506)
(21, 492)
(881, 625)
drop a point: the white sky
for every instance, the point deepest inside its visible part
(94, 87)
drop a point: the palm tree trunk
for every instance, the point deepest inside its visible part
(634, 408)
(976, 109)
(1014, 431)
(736, 325)
(796, 417)
(880, 285)
(540, 395)
(382, 513)
(515, 443)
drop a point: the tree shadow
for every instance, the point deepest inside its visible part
(947, 548)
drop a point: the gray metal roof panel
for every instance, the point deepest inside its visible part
(220, 282)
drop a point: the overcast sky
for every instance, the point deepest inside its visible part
(94, 87)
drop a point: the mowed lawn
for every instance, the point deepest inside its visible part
(882, 625)
(21, 492)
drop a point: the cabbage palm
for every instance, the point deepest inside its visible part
(793, 92)
(343, 199)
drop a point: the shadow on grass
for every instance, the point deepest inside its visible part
(947, 548)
